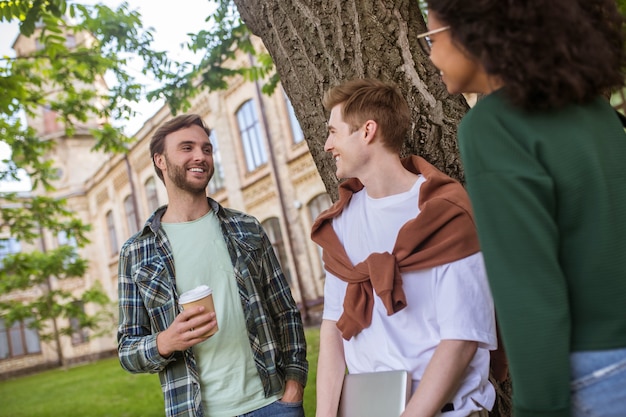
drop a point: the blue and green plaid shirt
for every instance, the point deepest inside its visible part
(148, 304)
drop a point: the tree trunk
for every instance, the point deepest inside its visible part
(318, 44)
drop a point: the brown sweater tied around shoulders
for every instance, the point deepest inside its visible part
(443, 232)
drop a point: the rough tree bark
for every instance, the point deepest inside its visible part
(317, 44)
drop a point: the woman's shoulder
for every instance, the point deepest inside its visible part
(489, 111)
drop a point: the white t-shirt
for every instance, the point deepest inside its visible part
(451, 301)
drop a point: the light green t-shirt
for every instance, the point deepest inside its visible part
(229, 379)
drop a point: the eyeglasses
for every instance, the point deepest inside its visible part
(426, 37)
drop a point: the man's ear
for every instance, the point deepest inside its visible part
(159, 161)
(370, 127)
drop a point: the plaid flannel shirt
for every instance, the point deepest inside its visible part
(148, 304)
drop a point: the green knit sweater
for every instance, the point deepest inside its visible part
(549, 195)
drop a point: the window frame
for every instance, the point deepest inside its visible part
(252, 139)
(112, 233)
(80, 335)
(131, 215)
(8, 340)
(217, 182)
(152, 195)
(273, 230)
(297, 134)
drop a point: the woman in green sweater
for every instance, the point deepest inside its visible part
(545, 162)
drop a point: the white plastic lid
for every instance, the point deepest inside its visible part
(195, 294)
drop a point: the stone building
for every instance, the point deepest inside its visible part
(263, 167)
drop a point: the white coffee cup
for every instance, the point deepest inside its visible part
(199, 296)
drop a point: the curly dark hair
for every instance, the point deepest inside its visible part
(547, 53)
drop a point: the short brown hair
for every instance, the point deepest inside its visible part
(371, 99)
(157, 143)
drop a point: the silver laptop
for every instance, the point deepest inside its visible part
(375, 394)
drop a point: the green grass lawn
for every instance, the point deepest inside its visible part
(104, 389)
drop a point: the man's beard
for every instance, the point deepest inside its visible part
(178, 175)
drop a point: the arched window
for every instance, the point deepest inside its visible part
(217, 182)
(296, 130)
(318, 205)
(151, 194)
(252, 140)
(112, 233)
(274, 233)
(131, 215)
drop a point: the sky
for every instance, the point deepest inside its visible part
(171, 25)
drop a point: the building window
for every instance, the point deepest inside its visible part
(8, 246)
(18, 340)
(64, 240)
(112, 234)
(296, 130)
(79, 334)
(315, 207)
(131, 215)
(253, 146)
(151, 194)
(217, 182)
(70, 41)
(274, 233)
